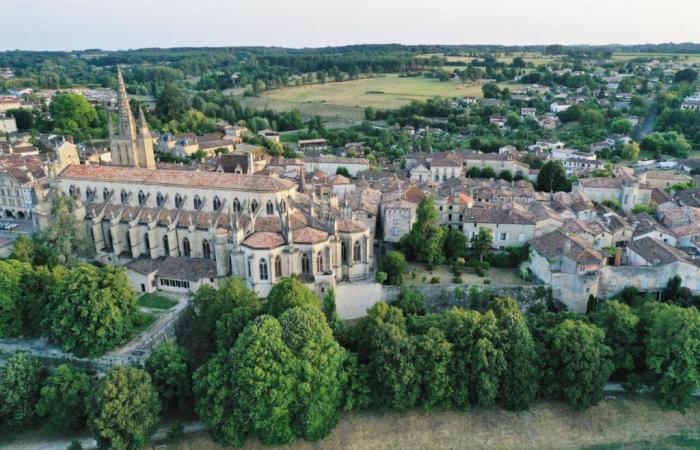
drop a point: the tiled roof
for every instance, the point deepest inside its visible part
(497, 215)
(350, 226)
(655, 252)
(189, 269)
(308, 235)
(264, 239)
(557, 243)
(183, 178)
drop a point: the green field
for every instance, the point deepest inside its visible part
(156, 301)
(346, 100)
(680, 56)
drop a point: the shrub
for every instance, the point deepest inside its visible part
(434, 280)
(487, 281)
(381, 277)
(457, 280)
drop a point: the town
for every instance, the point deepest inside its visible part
(170, 222)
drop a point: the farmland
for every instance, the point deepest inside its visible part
(347, 100)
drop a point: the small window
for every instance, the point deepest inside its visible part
(178, 200)
(197, 202)
(217, 203)
(159, 199)
(263, 269)
(142, 198)
(270, 208)
(236, 205)
(124, 196)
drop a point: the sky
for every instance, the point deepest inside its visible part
(124, 24)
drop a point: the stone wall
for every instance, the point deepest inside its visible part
(354, 299)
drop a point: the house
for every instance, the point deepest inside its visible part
(558, 107)
(8, 124)
(528, 113)
(170, 274)
(498, 120)
(628, 191)
(271, 135)
(312, 144)
(330, 164)
(398, 216)
(9, 102)
(569, 265)
(662, 179)
(580, 165)
(509, 227)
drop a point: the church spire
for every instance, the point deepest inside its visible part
(142, 124)
(126, 119)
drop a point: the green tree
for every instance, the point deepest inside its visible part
(672, 345)
(23, 117)
(342, 170)
(12, 272)
(169, 369)
(72, 114)
(223, 312)
(334, 321)
(23, 249)
(578, 365)
(318, 388)
(20, 383)
(410, 301)
(620, 326)
(620, 126)
(63, 398)
(552, 178)
(249, 389)
(394, 264)
(124, 410)
(482, 243)
(93, 310)
(289, 293)
(424, 243)
(172, 103)
(65, 236)
(685, 75)
(38, 286)
(520, 385)
(455, 245)
(433, 361)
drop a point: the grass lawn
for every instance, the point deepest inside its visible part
(626, 422)
(143, 321)
(156, 301)
(347, 99)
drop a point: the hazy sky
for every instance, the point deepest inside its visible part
(110, 24)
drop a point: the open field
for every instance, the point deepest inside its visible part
(692, 58)
(536, 58)
(157, 301)
(347, 99)
(621, 423)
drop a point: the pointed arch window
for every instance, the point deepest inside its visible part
(254, 205)
(206, 249)
(236, 205)
(142, 198)
(159, 199)
(217, 203)
(319, 261)
(186, 247)
(197, 202)
(278, 267)
(263, 269)
(71, 190)
(128, 244)
(105, 194)
(357, 252)
(90, 194)
(305, 263)
(178, 200)
(270, 208)
(166, 245)
(124, 196)
(147, 243)
(283, 206)
(344, 252)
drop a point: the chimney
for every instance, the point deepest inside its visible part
(618, 256)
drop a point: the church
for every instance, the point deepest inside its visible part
(175, 230)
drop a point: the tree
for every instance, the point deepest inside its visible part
(433, 360)
(482, 243)
(578, 364)
(224, 312)
(506, 175)
(410, 301)
(169, 369)
(455, 245)
(519, 387)
(93, 310)
(65, 236)
(172, 103)
(23, 249)
(552, 178)
(289, 293)
(249, 389)
(620, 326)
(334, 321)
(318, 386)
(20, 383)
(12, 272)
(424, 242)
(394, 264)
(491, 90)
(72, 114)
(125, 408)
(672, 342)
(23, 117)
(342, 170)
(685, 75)
(63, 398)
(620, 126)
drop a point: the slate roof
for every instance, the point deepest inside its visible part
(189, 269)
(656, 253)
(554, 245)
